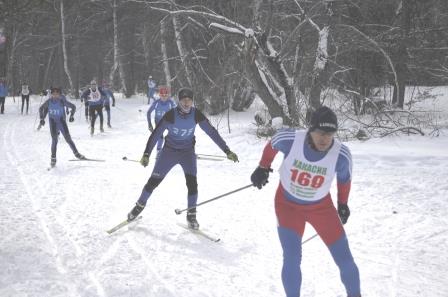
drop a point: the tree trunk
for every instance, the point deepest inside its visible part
(117, 65)
(166, 64)
(64, 48)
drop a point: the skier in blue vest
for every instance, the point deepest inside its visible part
(160, 107)
(109, 97)
(55, 107)
(178, 149)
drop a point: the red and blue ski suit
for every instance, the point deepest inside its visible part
(294, 208)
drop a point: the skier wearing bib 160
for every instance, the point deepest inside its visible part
(160, 107)
(94, 98)
(312, 159)
(55, 107)
(178, 149)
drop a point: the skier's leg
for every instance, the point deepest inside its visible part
(188, 162)
(92, 118)
(325, 220)
(99, 109)
(86, 110)
(54, 137)
(163, 165)
(23, 103)
(107, 107)
(291, 225)
(2, 104)
(27, 103)
(68, 138)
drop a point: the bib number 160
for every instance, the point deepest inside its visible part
(305, 179)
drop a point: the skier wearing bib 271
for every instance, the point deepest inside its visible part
(178, 149)
(312, 159)
(55, 107)
(160, 107)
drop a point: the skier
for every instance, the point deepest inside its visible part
(312, 159)
(54, 106)
(3, 94)
(109, 96)
(151, 88)
(94, 98)
(25, 92)
(160, 107)
(178, 149)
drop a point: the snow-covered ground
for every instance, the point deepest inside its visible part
(53, 223)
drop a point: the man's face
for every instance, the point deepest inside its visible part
(164, 94)
(322, 140)
(55, 94)
(186, 103)
(93, 87)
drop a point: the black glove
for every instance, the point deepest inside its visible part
(344, 212)
(71, 118)
(151, 128)
(260, 176)
(113, 104)
(42, 122)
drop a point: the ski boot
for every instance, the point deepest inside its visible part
(101, 129)
(191, 219)
(92, 130)
(80, 156)
(138, 208)
(53, 161)
(109, 126)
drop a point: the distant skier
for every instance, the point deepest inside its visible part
(109, 97)
(25, 93)
(152, 86)
(160, 107)
(54, 106)
(178, 149)
(3, 94)
(312, 159)
(94, 98)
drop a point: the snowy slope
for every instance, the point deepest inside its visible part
(52, 223)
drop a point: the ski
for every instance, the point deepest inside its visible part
(122, 224)
(87, 159)
(200, 233)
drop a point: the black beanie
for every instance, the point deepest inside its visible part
(324, 119)
(185, 92)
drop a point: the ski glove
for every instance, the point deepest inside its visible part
(42, 122)
(150, 127)
(71, 118)
(113, 104)
(344, 212)
(260, 176)
(144, 160)
(232, 156)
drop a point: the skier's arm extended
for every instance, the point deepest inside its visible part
(211, 131)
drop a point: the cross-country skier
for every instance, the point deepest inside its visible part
(109, 97)
(55, 107)
(3, 94)
(152, 86)
(178, 149)
(160, 107)
(312, 159)
(25, 93)
(94, 98)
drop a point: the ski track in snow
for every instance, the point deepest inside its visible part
(53, 222)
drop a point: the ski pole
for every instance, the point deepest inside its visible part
(306, 240)
(213, 156)
(131, 160)
(178, 211)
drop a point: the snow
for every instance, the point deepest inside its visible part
(53, 223)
